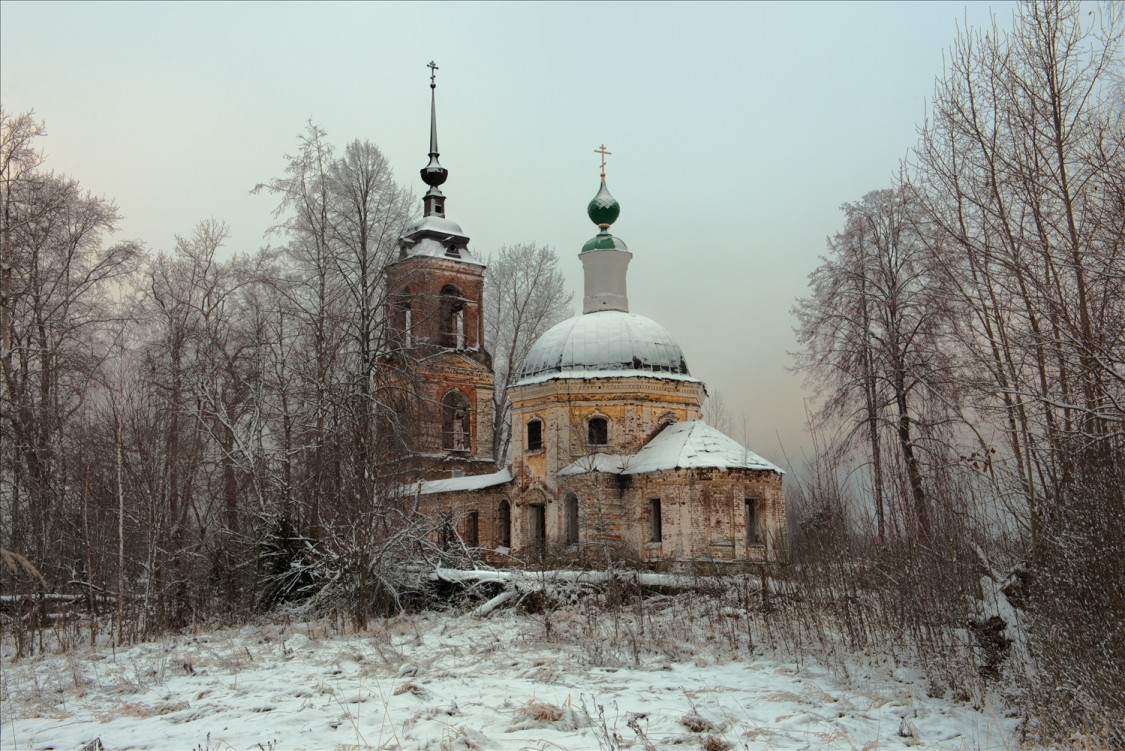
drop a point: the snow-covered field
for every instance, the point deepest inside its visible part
(572, 680)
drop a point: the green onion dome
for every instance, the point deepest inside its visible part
(604, 209)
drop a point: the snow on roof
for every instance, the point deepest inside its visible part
(586, 375)
(469, 482)
(612, 463)
(436, 223)
(695, 444)
(682, 445)
(609, 342)
(428, 246)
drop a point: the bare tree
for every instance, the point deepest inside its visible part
(324, 336)
(1019, 172)
(525, 294)
(872, 329)
(718, 414)
(368, 214)
(313, 292)
(58, 273)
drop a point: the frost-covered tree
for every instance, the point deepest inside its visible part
(871, 330)
(1020, 172)
(58, 270)
(525, 294)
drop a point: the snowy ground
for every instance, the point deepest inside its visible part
(571, 680)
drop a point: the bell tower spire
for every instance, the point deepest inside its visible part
(433, 174)
(437, 366)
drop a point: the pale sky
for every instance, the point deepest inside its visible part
(737, 130)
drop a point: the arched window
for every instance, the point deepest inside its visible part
(504, 524)
(404, 320)
(534, 434)
(570, 519)
(456, 422)
(597, 431)
(452, 317)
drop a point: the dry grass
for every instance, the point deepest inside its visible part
(540, 714)
(697, 724)
(411, 688)
(541, 711)
(715, 743)
(782, 696)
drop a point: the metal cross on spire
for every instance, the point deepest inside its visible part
(433, 174)
(601, 150)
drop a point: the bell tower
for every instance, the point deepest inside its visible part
(443, 381)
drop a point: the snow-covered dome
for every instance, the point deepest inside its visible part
(605, 344)
(437, 224)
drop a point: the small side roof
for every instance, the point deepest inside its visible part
(682, 445)
(469, 482)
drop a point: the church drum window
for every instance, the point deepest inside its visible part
(456, 413)
(535, 435)
(597, 431)
(570, 519)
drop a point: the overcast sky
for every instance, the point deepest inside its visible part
(737, 130)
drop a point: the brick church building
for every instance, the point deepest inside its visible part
(610, 456)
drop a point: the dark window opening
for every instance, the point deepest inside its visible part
(655, 524)
(472, 529)
(404, 321)
(597, 431)
(446, 531)
(570, 519)
(535, 435)
(456, 422)
(753, 522)
(537, 529)
(452, 315)
(504, 524)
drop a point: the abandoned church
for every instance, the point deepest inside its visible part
(610, 456)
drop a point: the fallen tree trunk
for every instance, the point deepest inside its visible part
(516, 584)
(678, 582)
